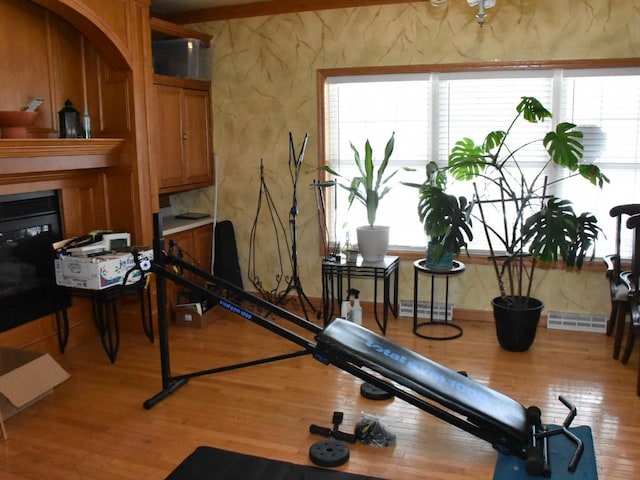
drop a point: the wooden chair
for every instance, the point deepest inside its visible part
(632, 281)
(618, 290)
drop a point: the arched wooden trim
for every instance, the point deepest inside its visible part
(99, 33)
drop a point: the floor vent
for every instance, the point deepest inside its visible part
(424, 310)
(582, 322)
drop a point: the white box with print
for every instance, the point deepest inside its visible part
(98, 272)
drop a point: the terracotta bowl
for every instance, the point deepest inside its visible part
(13, 124)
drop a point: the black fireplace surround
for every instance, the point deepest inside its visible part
(29, 224)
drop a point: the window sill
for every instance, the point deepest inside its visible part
(597, 265)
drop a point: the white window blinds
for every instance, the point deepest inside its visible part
(430, 112)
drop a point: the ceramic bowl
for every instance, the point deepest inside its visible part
(13, 124)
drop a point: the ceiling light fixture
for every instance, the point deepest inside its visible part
(481, 4)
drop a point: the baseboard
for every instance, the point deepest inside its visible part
(464, 314)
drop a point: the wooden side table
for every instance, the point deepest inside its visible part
(420, 267)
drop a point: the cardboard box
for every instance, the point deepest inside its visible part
(25, 378)
(99, 272)
(192, 315)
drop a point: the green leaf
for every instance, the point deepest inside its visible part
(551, 231)
(564, 147)
(368, 166)
(532, 110)
(586, 234)
(593, 174)
(466, 160)
(388, 150)
(494, 140)
(357, 160)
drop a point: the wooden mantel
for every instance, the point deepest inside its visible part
(41, 156)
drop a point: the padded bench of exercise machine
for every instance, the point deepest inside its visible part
(482, 406)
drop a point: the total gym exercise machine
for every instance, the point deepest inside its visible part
(489, 415)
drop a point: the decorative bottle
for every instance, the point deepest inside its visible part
(356, 310)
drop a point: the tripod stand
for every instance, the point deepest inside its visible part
(295, 163)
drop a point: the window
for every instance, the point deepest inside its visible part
(430, 111)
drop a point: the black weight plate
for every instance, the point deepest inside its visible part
(329, 453)
(367, 390)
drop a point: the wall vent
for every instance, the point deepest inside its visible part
(424, 310)
(582, 322)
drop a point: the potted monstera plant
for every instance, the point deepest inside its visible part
(530, 224)
(444, 217)
(370, 185)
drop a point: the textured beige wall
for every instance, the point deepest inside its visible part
(264, 85)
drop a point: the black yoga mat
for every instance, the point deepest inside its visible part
(561, 449)
(207, 463)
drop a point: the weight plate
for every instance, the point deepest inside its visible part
(329, 453)
(367, 390)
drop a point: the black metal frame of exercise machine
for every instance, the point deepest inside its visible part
(162, 265)
(375, 363)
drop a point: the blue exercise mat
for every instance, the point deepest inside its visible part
(561, 450)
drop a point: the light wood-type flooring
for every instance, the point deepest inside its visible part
(93, 426)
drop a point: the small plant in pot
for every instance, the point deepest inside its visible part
(368, 187)
(445, 218)
(530, 224)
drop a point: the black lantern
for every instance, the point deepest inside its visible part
(69, 121)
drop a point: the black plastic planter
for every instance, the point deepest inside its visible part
(516, 325)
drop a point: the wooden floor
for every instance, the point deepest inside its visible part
(94, 426)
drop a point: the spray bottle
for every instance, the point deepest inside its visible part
(356, 310)
(345, 309)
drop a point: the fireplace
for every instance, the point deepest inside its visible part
(29, 224)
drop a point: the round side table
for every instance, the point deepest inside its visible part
(420, 267)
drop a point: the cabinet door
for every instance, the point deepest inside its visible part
(197, 151)
(169, 136)
(202, 245)
(184, 242)
(196, 245)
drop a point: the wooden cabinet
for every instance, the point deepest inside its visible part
(196, 245)
(182, 123)
(184, 137)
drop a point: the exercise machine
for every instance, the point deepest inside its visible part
(473, 407)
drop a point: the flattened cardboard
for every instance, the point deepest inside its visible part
(189, 315)
(26, 377)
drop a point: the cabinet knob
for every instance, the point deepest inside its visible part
(184, 135)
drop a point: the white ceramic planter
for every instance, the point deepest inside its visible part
(373, 242)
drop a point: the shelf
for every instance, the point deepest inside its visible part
(47, 155)
(171, 30)
(190, 83)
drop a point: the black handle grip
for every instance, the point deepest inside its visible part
(337, 418)
(534, 416)
(318, 430)
(345, 437)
